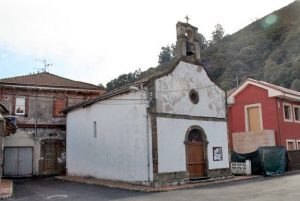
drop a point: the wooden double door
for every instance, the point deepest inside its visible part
(52, 152)
(196, 162)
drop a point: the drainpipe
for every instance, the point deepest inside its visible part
(148, 146)
(229, 137)
(148, 95)
(278, 120)
(35, 115)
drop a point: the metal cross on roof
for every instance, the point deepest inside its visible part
(187, 19)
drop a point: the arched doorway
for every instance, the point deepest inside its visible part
(195, 143)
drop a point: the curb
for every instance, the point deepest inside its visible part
(143, 188)
(109, 184)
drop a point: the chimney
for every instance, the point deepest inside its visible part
(187, 44)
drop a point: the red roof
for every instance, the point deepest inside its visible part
(276, 87)
(46, 79)
(273, 90)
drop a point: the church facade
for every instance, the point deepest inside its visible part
(168, 127)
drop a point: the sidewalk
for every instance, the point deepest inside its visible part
(6, 189)
(147, 188)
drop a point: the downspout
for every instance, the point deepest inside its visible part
(278, 120)
(229, 138)
(148, 95)
(148, 145)
(35, 115)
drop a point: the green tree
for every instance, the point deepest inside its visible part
(101, 85)
(218, 33)
(123, 80)
(295, 85)
(166, 53)
(202, 41)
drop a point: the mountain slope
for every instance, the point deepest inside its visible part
(268, 49)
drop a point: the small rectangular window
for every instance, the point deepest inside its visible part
(95, 129)
(298, 144)
(297, 113)
(287, 109)
(290, 145)
(20, 106)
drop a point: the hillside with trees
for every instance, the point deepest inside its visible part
(268, 49)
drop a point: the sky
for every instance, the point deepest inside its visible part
(95, 40)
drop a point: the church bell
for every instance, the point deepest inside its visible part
(189, 48)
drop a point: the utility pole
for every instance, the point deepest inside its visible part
(237, 80)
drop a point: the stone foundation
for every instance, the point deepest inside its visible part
(175, 178)
(217, 173)
(171, 177)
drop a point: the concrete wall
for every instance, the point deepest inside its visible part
(24, 138)
(172, 93)
(120, 150)
(247, 142)
(171, 148)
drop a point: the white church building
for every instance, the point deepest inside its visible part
(168, 127)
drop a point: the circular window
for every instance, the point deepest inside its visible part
(194, 96)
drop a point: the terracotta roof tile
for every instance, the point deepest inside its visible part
(48, 80)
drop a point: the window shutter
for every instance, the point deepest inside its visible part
(13, 108)
(59, 105)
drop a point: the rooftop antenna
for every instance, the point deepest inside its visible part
(45, 65)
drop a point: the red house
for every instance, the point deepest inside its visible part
(263, 114)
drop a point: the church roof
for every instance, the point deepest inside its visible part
(45, 79)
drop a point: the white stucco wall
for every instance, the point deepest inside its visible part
(172, 93)
(171, 148)
(120, 149)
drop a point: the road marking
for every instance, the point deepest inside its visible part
(56, 197)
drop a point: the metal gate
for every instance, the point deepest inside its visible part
(18, 161)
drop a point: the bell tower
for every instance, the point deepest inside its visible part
(187, 44)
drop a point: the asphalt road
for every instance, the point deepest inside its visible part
(285, 188)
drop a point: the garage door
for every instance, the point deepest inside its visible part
(17, 161)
